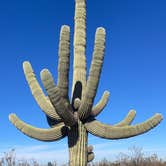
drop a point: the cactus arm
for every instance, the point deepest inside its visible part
(127, 120)
(37, 92)
(90, 153)
(90, 148)
(64, 61)
(110, 132)
(61, 105)
(94, 75)
(79, 66)
(91, 156)
(100, 105)
(52, 134)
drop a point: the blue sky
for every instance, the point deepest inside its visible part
(134, 67)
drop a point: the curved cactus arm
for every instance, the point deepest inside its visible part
(52, 134)
(94, 74)
(64, 61)
(100, 105)
(127, 120)
(37, 92)
(61, 105)
(79, 66)
(110, 132)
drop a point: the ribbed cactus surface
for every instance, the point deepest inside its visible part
(76, 118)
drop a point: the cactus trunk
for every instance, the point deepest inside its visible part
(77, 142)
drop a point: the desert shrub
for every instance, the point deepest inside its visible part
(135, 157)
(9, 159)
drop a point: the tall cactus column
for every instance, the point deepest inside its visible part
(76, 118)
(79, 69)
(77, 142)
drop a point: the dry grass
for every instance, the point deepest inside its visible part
(136, 157)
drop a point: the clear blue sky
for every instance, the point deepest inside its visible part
(134, 66)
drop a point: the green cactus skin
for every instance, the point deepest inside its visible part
(79, 44)
(76, 119)
(52, 134)
(128, 119)
(101, 104)
(64, 61)
(37, 92)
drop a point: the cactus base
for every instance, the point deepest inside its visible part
(77, 142)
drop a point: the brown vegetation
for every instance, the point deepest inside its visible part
(136, 157)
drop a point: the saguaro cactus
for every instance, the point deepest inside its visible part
(76, 118)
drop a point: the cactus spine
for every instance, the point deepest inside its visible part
(76, 118)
